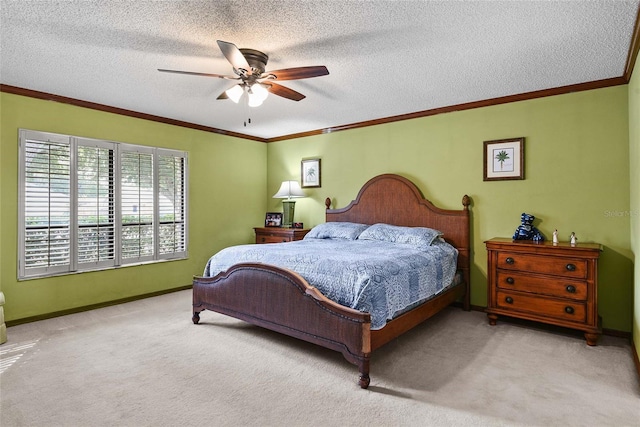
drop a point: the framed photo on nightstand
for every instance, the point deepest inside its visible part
(273, 219)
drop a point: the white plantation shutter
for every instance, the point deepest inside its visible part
(95, 204)
(172, 237)
(45, 192)
(137, 208)
(88, 204)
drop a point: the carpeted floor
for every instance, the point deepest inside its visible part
(144, 363)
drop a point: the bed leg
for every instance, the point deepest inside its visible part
(364, 373)
(196, 317)
(364, 380)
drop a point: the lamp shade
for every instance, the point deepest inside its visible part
(289, 190)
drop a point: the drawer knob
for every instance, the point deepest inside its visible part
(263, 239)
(571, 289)
(509, 300)
(509, 260)
(510, 280)
(571, 267)
(284, 240)
(569, 310)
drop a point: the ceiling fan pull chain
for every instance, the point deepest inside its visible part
(246, 110)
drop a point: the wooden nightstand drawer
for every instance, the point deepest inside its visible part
(272, 239)
(563, 288)
(278, 235)
(566, 310)
(560, 266)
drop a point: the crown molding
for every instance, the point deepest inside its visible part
(634, 46)
(597, 84)
(121, 111)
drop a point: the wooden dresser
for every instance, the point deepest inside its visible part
(554, 284)
(278, 235)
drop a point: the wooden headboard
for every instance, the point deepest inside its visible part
(393, 199)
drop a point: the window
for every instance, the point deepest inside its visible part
(90, 204)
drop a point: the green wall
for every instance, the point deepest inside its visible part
(634, 210)
(226, 199)
(576, 165)
(578, 178)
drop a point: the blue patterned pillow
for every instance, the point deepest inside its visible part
(336, 230)
(416, 236)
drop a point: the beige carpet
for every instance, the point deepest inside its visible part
(144, 363)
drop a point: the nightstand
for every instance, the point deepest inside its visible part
(278, 235)
(554, 284)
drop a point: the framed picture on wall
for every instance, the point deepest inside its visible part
(310, 173)
(504, 159)
(273, 219)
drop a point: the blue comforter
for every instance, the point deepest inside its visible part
(381, 278)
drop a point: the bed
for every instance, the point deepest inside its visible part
(280, 299)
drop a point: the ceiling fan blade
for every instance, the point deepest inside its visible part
(284, 92)
(193, 73)
(223, 95)
(234, 56)
(297, 73)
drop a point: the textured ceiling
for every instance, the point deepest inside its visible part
(385, 58)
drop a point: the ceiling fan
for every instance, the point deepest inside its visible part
(249, 67)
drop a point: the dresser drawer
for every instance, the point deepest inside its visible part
(553, 286)
(266, 238)
(560, 266)
(572, 311)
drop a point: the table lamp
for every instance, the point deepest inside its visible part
(288, 190)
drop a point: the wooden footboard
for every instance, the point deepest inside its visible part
(281, 300)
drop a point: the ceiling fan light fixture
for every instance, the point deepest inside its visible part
(254, 101)
(235, 93)
(259, 90)
(257, 94)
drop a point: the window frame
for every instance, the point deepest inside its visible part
(115, 197)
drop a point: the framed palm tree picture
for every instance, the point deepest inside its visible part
(310, 173)
(504, 159)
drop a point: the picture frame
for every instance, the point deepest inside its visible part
(273, 219)
(504, 159)
(310, 173)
